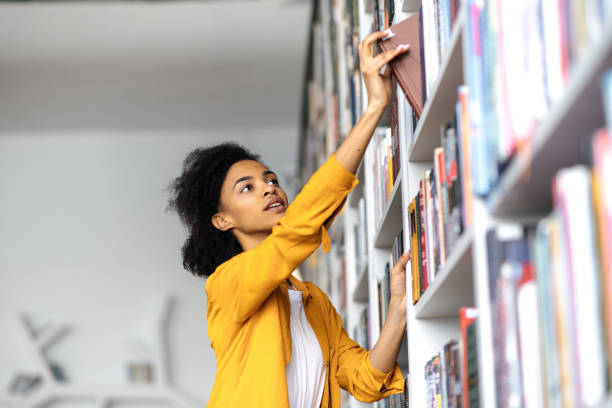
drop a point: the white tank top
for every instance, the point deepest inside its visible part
(306, 370)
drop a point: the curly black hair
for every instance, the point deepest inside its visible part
(195, 196)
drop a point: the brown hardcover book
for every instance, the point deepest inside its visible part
(407, 67)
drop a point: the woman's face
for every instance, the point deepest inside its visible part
(251, 199)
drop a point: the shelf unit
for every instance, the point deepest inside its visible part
(522, 193)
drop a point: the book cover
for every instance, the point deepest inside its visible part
(407, 67)
(540, 250)
(414, 256)
(465, 155)
(430, 230)
(606, 90)
(573, 199)
(529, 338)
(469, 363)
(421, 213)
(602, 199)
(442, 204)
(419, 228)
(435, 219)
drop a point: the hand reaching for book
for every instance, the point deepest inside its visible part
(398, 278)
(383, 355)
(377, 85)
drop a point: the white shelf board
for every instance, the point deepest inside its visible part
(561, 139)
(453, 286)
(390, 223)
(411, 5)
(357, 192)
(360, 292)
(440, 105)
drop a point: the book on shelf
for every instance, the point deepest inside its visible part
(550, 292)
(468, 320)
(424, 278)
(384, 13)
(384, 284)
(443, 384)
(439, 210)
(385, 151)
(502, 67)
(438, 21)
(508, 253)
(529, 338)
(606, 90)
(407, 67)
(415, 267)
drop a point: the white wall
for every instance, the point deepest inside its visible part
(84, 239)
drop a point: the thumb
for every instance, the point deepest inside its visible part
(403, 260)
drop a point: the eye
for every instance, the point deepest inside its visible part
(247, 187)
(273, 182)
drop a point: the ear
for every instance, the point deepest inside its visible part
(222, 222)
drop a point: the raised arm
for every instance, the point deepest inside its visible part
(241, 285)
(378, 86)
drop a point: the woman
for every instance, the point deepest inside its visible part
(279, 342)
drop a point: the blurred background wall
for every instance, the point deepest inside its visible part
(99, 105)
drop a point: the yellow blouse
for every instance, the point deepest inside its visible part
(248, 310)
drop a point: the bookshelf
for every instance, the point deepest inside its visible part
(519, 198)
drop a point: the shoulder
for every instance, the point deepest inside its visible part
(222, 276)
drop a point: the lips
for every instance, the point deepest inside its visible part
(275, 203)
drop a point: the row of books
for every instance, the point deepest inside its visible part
(438, 214)
(437, 22)
(384, 14)
(514, 49)
(561, 269)
(352, 60)
(385, 167)
(384, 284)
(451, 376)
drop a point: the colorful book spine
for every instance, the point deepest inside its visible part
(414, 248)
(424, 269)
(469, 352)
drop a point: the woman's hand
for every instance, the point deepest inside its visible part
(397, 303)
(377, 85)
(384, 353)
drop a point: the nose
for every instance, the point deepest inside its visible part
(269, 189)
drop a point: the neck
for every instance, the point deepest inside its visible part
(250, 241)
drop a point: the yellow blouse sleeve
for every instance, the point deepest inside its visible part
(254, 274)
(355, 372)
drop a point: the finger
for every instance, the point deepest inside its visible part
(384, 57)
(402, 261)
(366, 49)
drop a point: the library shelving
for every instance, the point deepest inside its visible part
(475, 266)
